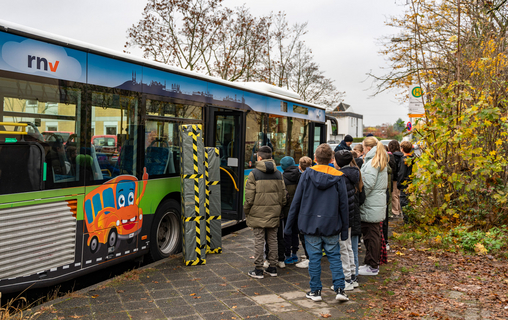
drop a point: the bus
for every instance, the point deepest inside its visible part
(67, 207)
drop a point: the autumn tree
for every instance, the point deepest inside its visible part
(204, 36)
(399, 125)
(457, 51)
(201, 35)
(289, 63)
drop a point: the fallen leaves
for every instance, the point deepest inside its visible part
(325, 315)
(441, 284)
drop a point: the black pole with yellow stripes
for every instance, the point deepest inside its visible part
(193, 191)
(212, 202)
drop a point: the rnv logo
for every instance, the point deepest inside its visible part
(42, 62)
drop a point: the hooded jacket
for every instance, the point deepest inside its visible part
(375, 183)
(398, 158)
(342, 146)
(405, 170)
(352, 177)
(320, 205)
(265, 195)
(291, 177)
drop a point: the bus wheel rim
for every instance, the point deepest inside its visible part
(167, 232)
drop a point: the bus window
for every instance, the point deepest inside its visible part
(289, 137)
(114, 144)
(49, 109)
(278, 133)
(254, 137)
(299, 138)
(162, 148)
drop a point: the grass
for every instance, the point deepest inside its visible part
(459, 239)
(16, 309)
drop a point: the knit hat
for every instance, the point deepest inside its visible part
(348, 138)
(287, 162)
(343, 158)
(370, 135)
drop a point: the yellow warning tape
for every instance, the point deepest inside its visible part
(195, 176)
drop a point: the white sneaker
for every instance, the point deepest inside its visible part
(266, 264)
(303, 264)
(368, 271)
(281, 264)
(362, 267)
(387, 247)
(341, 295)
(355, 284)
(349, 286)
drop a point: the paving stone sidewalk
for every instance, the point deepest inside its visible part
(221, 289)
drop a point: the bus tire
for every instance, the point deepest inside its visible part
(166, 231)
(112, 237)
(94, 244)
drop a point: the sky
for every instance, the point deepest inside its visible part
(344, 37)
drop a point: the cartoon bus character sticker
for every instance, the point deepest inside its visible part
(112, 211)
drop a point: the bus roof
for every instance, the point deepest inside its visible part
(255, 87)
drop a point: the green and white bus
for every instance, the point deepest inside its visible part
(89, 152)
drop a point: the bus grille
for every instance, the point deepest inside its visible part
(37, 238)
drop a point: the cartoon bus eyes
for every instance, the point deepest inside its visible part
(130, 200)
(125, 194)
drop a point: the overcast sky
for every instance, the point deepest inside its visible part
(343, 35)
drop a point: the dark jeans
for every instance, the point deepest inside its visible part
(372, 240)
(291, 241)
(280, 242)
(403, 202)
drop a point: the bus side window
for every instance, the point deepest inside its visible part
(89, 211)
(20, 168)
(97, 204)
(108, 198)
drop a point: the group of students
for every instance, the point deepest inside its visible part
(328, 206)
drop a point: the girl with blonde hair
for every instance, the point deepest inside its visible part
(375, 181)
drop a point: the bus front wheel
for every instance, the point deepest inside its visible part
(166, 231)
(112, 237)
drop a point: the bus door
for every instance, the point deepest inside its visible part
(319, 136)
(224, 131)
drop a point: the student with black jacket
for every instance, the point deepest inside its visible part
(394, 148)
(405, 170)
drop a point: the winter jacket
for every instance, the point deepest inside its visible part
(359, 162)
(375, 183)
(398, 157)
(320, 205)
(291, 177)
(405, 170)
(265, 195)
(352, 177)
(342, 146)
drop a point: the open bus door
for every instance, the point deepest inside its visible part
(224, 131)
(319, 136)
